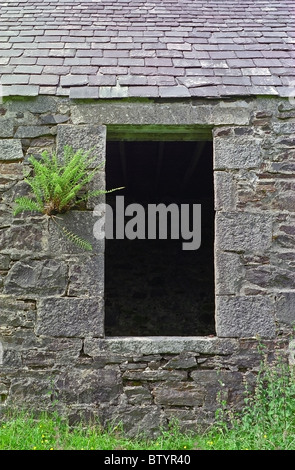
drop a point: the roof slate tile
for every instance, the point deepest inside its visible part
(147, 47)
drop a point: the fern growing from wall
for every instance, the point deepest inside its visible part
(57, 184)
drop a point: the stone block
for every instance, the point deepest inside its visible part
(243, 231)
(15, 313)
(158, 375)
(138, 395)
(36, 278)
(31, 390)
(6, 128)
(38, 359)
(137, 420)
(271, 277)
(186, 394)
(66, 350)
(225, 191)
(80, 223)
(160, 113)
(183, 361)
(86, 277)
(70, 317)
(89, 386)
(220, 384)
(285, 308)
(4, 262)
(236, 152)
(148, 346)
(238, 113)
(82, 137)
(1, 353)
(245, 316)
(10, 173)
(229, 273)
(30, 132)
(10, 150)
(24, 239)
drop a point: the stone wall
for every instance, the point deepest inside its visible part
(53, 353)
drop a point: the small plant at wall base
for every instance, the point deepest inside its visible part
(56, 186)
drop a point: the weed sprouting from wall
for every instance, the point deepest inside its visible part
(57, 186)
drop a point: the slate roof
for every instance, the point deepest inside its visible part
(134, 48)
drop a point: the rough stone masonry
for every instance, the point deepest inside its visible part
(53, 351)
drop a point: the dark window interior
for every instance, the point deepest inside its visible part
(154, 287)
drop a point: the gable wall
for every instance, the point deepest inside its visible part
(52, 347)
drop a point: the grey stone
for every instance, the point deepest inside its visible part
(25, 239)
(6, 128)
(54, 118)
(86, 277)
(136, 420)
(245, 316)
(41, 105)
(24, 132)
(38, 359)
(89, 386)
(243, 231)
(158, 375)
(271, 277)
(236, 152)
(80, 223)
(186, 394)
(32, 390)
(138, 395)
(31, 108)
(70, 317)
(229, 273)
(11, 358)
(66, 350)
(98, 182)
(10, 173)
(285, 308)
(183, 361)
(146, 346)
(89, 137)
(34, 277)
(17, 313)
(219, 385)
(4, 262)
(1, 355)
(162, 114)
(225, 191)
(11, 150)
(6, 219)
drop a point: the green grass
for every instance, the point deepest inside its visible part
(23, 432)
(266, 422)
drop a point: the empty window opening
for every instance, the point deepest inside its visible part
(153, 287)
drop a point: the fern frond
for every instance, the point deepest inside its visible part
(24, 203)
(98, 192)
(73, 237)
(56, 185)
